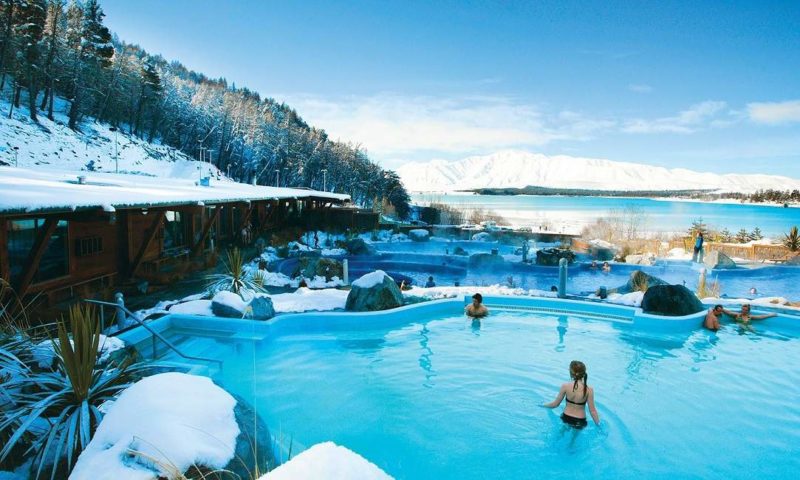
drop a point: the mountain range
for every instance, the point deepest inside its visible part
(518, 169)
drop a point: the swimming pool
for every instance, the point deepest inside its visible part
(424, 393)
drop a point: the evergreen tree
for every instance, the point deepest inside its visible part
(725, 236)
(94, 54)
(742, 236)
(32, 15)
(756, 234)
(698, 226)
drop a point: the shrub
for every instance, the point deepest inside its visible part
(235, 278)
(792, 240)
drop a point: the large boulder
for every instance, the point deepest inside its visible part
(357, 246)
(261, 308)
(639, 281)
(419, 235)
(163, 424)
(460, 251)
(228, 304)
(671, 300)
(374, 291)
(551, 256)
(717, 260)
(485, 260)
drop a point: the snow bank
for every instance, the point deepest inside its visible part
(419, 232)
(230, 299)
(193, 307)
(371, 279)
(304, 300)
(327, 461)
(633, 299)
(164, 421)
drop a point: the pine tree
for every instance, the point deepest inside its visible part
(698, 226)
(32, 16)
(756, 234)
(725, 236)
(742, 236)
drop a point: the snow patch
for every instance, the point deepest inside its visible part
(305, 299)
(371, 279)
(176, 419)
(329, 461)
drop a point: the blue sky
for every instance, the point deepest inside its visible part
(704, 85)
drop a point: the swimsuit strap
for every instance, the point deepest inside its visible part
(574, 403)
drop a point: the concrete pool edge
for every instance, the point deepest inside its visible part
(318, 322)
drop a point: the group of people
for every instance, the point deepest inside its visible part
(744, 316)
(605, 268)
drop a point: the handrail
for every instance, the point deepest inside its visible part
(154, 334)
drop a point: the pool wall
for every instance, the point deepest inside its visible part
(318, 322)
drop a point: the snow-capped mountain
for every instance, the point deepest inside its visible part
(517, 169)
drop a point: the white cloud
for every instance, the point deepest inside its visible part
(774, 112)
(640, 88)
(697, 116)
(393, 125)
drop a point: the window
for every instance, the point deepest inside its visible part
(175, 229)
(87, 246)
(21, 238)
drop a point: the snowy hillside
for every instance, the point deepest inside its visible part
(520, 169)
(52, 145)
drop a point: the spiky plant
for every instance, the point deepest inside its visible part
(56, 418)
(792, 240)
(13, 312)
(235, 277)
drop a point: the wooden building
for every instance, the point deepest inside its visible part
(59, 232)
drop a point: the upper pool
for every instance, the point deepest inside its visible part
(425, 393)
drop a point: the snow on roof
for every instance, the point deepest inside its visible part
(31, 190)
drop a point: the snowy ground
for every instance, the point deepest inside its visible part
(329, 461)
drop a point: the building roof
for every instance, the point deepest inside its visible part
(24, 190)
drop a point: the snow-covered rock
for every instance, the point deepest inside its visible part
(374, 291)
(305, 299)
(228, 304)
(167, 420)
(327, 461)
(482, 237)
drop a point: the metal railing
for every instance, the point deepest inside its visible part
(153, 333)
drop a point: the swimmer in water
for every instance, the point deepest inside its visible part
(476, 309)
(578, 394)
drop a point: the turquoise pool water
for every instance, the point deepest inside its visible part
(444, 398)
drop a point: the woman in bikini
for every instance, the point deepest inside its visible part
(578, 394)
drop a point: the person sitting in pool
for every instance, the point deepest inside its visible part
(711, 321)
(744, 316)
(606, 267)
(476, 309)
(578, 394)
(593, 266)
(430, 283)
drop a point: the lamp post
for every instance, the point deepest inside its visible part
(16, 156)
(324, 179)
(116, 150)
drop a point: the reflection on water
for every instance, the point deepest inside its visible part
(425, 357)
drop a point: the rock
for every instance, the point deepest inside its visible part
(357, 246)
(322, 267)
(485, 260)
(419, 235)
(253, 432)
(551, 256)
(643, 259)
(261, 308)
(671, 300)
(717, 260)
(228, 304)
(482, 237)
(374, 291)
(637, 281)
(460, 251)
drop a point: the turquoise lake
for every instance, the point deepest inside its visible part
(572, 213)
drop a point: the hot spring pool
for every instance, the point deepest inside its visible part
(443, 398)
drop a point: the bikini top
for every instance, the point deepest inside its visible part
(574, 403)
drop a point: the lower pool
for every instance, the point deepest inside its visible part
(444, 397)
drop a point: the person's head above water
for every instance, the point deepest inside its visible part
(577, 371)
(477, 299)
(430, 279)
(717, 308)
(553, 288)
